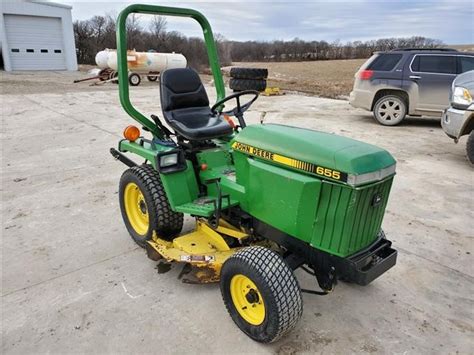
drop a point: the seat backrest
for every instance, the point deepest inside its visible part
(181, 88)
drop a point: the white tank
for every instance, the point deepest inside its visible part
(142, 62)
(101, 59)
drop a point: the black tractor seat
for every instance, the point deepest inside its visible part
(186, 108)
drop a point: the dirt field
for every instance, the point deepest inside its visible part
(332, 78)
(74, 282)
(463, 47)
(60, 82)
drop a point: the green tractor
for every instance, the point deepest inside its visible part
(267, 198)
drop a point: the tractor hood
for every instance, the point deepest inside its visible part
(323, 154)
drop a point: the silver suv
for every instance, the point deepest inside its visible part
(405, 82)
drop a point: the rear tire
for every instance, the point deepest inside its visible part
(152, 77)
(390, 110)
(261, 293)
(470, 147)
(247, 84)
(145, 207)
(249, 73)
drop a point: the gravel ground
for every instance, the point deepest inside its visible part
(74, 282)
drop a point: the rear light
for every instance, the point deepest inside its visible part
(366, 74)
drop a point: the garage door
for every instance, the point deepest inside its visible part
(35, 42)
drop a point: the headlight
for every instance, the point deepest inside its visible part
(168, 160)
(171, 161)
(356, 180)
(461, 97)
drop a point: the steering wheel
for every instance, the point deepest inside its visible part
(237, 111)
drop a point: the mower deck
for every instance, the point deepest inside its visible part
(203, 248)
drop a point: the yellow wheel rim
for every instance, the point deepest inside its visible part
(247, 299)
(136, 208)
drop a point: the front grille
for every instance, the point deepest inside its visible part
(348, 219)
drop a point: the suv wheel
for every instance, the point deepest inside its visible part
(470, 147)
(390, 110)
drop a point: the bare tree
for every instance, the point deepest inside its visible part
(157, 26)
(224, 48)
(134, 31)
(82, 35)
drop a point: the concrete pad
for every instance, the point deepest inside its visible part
(73, 280)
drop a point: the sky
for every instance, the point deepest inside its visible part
(451, 21)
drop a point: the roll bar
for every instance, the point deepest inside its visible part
(122, 55)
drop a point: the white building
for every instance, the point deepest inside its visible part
(36, 35)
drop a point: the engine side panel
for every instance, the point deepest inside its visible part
(281, 198)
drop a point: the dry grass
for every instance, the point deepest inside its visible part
(462, 47)
(332, 78)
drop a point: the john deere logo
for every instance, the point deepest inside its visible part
(376, 199)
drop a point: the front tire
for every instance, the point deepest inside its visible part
(470, 147)
(390, 110)
(145, 207)
(261, 293)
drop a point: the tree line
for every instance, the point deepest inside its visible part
(98, 33)
(299, 50)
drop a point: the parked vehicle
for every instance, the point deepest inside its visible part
(405, 82)
(458, 118)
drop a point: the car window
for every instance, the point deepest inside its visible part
(385, 62)
(466, 64)
(444, 64)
